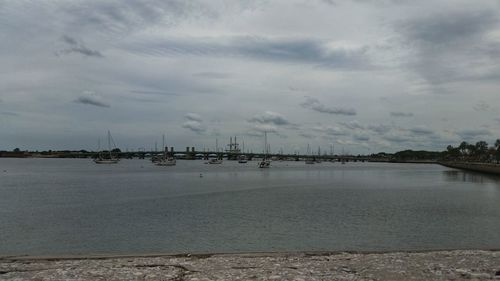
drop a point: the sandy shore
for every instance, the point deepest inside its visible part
(439, 265)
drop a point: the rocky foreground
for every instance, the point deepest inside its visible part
(441, 265)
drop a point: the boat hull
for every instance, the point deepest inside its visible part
(167, 163)
(106, 161)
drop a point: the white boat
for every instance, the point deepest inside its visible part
(215, 161)
(242, 159)
(106, 158)
(169, 161)
(165, 160)
(218, 159)
(106, 161)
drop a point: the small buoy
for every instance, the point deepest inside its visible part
(201, 175)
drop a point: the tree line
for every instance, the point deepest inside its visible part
(479, 152)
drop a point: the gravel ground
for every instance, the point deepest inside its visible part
(440, 265)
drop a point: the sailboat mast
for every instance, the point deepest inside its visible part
(265, 143)
(163, 145)
(109, 144)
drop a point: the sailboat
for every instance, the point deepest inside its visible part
(309, 160)
(218, 159)
(265, 163)
(165, 160)
(319, 155)
(243, 159)
(107, 158)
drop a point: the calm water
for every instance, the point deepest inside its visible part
(69, 206)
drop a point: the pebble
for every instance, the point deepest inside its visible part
(444, 265)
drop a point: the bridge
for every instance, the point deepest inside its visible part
(192, 154)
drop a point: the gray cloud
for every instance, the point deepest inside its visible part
(353, 125)
(257, 47)
(401, 114)
(193, 117)
(451, 45)
(77, 47)
(396, 138)
(90, 98)
(270, 117)
(332, 131)
(473, 133)
(448, 27)
(316, 105)
(123, 17)
(8, 113)
(482, 106)
(236, 58)
(212, 75)
(329, 2)
(258, 130)
(361, 137)
(421, 130)
(69, 40)
(307, 136)
(154, 93)
(380, 129)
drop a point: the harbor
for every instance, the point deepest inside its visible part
(73, 206)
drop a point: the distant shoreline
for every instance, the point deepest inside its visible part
(50, 257)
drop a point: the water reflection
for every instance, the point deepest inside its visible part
(466, 176)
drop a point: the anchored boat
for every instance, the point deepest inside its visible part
(106, 158)
(165, 160)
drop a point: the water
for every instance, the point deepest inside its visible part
(72, 206)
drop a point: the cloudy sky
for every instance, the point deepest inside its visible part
(363, 75)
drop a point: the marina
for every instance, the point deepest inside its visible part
(71, 206)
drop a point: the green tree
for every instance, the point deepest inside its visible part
(463, 148)
(497, 146)
(481, 150)
(452, 153)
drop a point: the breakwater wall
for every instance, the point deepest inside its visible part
(489, 168)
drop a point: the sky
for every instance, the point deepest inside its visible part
(363, 75)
